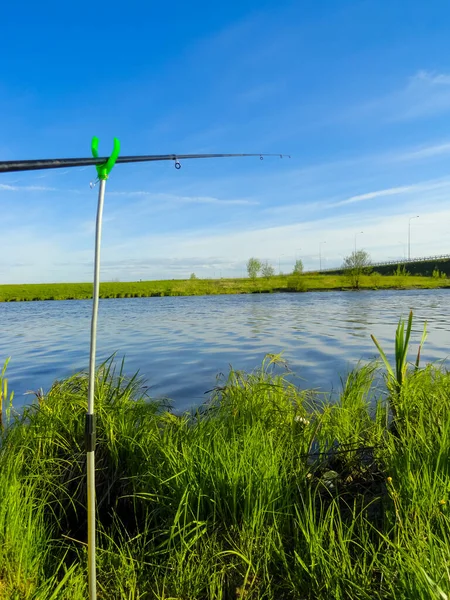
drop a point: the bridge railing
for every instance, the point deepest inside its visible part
(405, 261)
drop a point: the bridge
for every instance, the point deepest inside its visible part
(404, 261)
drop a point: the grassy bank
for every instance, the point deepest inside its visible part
(202, 287)
(265, 493)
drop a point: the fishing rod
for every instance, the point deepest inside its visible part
(103, 167)
(11, 166)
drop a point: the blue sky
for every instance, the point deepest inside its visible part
(356, 91)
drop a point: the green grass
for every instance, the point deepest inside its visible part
(266, 492)
(203, 287)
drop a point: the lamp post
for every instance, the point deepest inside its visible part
(409, 235)
(358, 233)
(320, 256)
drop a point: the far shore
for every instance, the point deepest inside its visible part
(307, 282)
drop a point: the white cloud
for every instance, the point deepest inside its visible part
(156, 255)
(431, 78)
(383, 236)
(394, 191)
(422, 152)
(259, 92)
(371, 195)
(423, 95)
(426, 94)
(172, 198)
(26, 188)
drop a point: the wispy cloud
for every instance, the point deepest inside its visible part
(425, 94)
(394, 191)
(259, 92)
(27, 188)
(381, 235)
(372, 195)
(172, 198)
(420, 153)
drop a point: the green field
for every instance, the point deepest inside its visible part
(203, 287)
(266, 493)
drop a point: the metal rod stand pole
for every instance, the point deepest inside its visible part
(90, 416)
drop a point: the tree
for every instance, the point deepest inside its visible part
(298, 267)
(193, 276)
(355, 265)
(267, 270)
(253, 267)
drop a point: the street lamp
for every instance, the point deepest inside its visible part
(359, 232)
(320, 256)
(409, 235)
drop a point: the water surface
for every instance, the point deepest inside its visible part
(180, 344)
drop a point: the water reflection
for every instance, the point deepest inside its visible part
(180, 344)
